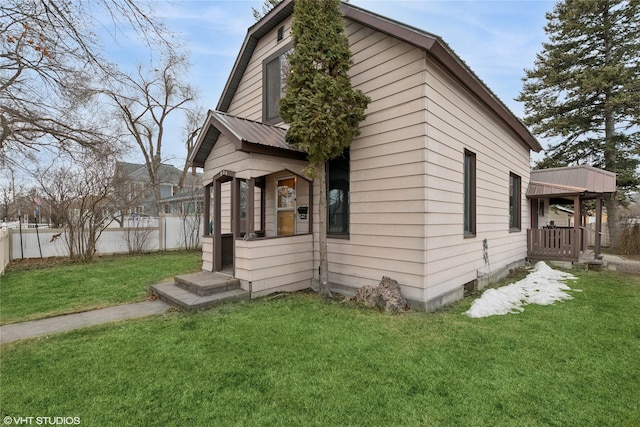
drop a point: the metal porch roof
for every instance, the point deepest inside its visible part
(571, 181)
(247, 135)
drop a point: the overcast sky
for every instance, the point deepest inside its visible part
(497, 39)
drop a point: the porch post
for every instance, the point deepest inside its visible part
(235, 208)
(596, 250)
(310, 213)
(217, 219)
(577, 222)
(251, 186)
(207, 207)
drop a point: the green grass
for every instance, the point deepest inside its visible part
(301, 360)
(27, 294)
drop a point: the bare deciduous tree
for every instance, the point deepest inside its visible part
(145, 102)
(50, 63)
(78, 192)
(195, 117)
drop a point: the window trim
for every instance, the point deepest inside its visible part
(517, 198)
(469, 195)
(275, 56)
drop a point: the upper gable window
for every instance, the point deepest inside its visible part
(275, 70)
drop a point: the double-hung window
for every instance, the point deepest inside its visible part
(275, 72)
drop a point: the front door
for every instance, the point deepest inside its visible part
(286, 206)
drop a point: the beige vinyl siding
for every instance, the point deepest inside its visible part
(278, 264)
(387, 169)
(247, 100)
(457, 121)
(225, 211)
(222, 156)
(207, 253)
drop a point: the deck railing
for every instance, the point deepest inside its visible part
(561, 244)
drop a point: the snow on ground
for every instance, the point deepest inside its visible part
(542, 286)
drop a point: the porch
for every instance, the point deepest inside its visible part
(258, 206)
(579, 186)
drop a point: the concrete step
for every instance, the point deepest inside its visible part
(176, 295)
(205, 283)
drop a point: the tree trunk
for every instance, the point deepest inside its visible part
(322, 231)
(610, 148)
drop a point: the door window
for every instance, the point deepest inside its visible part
(286, 206)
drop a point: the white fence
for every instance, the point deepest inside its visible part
(4, 249)
(170, 233)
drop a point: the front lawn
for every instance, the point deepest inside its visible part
(301, 360)
(35, 293)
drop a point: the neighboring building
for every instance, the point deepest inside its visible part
(186, 202)
(554, 215)
(135, 194)
(432, 192)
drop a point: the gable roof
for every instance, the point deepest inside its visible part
(137, 172)
(247, 135)
(433, 45)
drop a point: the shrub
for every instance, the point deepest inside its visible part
(630, 237)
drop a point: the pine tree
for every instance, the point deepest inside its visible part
(584, 91)
(320, 106)
(267, 5)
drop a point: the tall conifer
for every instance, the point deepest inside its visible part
(320, 106)
(583, 93)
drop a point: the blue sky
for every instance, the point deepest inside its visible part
(497, 39)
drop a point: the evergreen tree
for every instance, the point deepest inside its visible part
(320, 105)
(267, 5)
(584, 91)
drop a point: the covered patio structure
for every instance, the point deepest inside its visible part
(577, 185)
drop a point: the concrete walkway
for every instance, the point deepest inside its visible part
(68, 322)
(617, 263)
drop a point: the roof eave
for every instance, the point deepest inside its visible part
(195, 160)
(254, 33)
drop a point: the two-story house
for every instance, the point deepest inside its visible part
(134, 193)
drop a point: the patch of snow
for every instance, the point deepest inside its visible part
(542, 286)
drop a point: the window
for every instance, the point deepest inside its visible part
(275, 72)
(338, 195)
(514, 202)
(469, 193)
